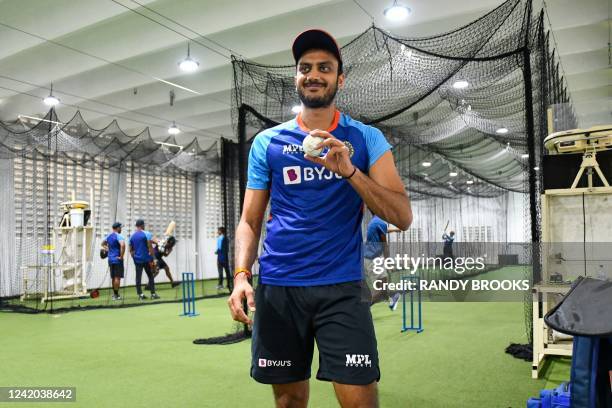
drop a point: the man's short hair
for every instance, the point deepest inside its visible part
(222, 229)
(140, 223)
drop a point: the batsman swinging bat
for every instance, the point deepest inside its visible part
(167, 236)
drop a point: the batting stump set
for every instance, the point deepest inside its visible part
(419, 326)
(188, 286)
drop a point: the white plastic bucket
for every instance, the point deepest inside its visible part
(77, 216)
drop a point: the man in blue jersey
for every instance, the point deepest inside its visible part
(142, 253)
(222, 253)
(376, 246)
(114, 243)
(311, 265)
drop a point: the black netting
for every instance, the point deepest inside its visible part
(122, 178)
(109, 147)
(480, 140)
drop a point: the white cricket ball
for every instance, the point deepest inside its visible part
(309, 145)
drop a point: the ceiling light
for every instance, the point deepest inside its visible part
(173, 129)
(51, 100)
(461, 84)
(536, 168)
(426, 164)
(33, 118)
(502, 131)
(470, 182)
(296, 109)
(524, 156)
(397, 12)
(170, 144)
(453, 174)
(188, 64)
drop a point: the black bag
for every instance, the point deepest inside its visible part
(103, 253)
(586, 313)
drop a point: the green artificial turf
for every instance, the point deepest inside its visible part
(144, 357)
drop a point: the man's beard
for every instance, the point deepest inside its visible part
(316, 102)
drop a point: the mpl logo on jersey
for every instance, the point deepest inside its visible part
(358, 360)
(262, 362)
(298, 174)
(293, 149)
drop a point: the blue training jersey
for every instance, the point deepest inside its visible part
(138, 241)
(221, 257)
(374, 247)
(314, 229)
(114, 247)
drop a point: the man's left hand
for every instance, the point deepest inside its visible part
(337, 159)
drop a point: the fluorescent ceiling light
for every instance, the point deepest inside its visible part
(177, 86)
(40, 119)
(170, 144)
(453, 174)
(426, 164)
(502, 131)
(470, 182)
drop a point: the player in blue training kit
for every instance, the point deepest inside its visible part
(114, 243)
(142, 253)
(311, 265)
(376, 246)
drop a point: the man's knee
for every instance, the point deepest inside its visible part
(291, 395)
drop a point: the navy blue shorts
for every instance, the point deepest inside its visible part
(116, 270)
(161, 264)
(288, 321)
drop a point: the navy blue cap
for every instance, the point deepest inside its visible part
(140, 223)
(316, 39)
(117, 225)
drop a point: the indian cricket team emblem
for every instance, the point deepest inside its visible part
(350, 147)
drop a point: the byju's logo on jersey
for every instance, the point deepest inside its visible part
(358, 360)
(297, 174)
(262, 362)
(292, 175)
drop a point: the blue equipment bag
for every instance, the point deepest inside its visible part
(557, 398)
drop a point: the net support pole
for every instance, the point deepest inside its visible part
(242, 170)
(531, 144)
(242, 156)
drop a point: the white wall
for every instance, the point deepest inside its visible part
(506, 214)
(7, 227)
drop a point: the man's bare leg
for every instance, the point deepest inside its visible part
(168, 274)
(357, 396)
(291, 395)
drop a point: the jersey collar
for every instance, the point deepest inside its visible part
(333, 126)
